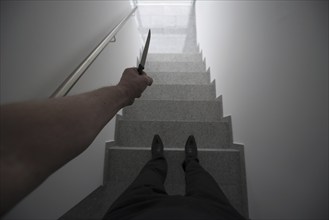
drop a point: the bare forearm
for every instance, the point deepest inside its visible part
(39, 137)
(82, 118)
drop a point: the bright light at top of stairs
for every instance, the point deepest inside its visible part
(167, 2)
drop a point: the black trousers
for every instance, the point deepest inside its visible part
(148, 189)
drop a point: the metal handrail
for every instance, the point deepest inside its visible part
(72, 79)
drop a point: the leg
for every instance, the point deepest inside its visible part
(146, 188)
(200, 184)
(152, 176)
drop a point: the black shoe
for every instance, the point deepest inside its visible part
(191, 150)
(157, 147)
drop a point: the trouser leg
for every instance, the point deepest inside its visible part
(200, 184)
(153, 176)
(148, 185)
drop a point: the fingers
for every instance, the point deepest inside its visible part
(134, 83)
(149, 79)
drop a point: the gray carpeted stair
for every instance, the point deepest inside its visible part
(174, 57)
(182, 101)
(223, 164)
(182, 78)
(158, 110)
(173, 133)
(181, 92)
(166, 66)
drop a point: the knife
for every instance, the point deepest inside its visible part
(144, 55)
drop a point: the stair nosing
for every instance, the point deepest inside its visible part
(166, 72)
(118, 147)
(176, 121)
(164, 100)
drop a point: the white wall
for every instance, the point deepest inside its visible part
(41, 43)
(270, 62)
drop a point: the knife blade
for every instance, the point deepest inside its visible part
(144, 55)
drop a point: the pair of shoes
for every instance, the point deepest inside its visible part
(191, 150)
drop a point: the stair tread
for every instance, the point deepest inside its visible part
(174, 44)
(214, 161)
(225, 165)
(180, 57)
(207, 134)
(171, 110)
(180, 92)
(175, 66)
(183, 78)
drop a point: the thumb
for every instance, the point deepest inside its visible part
(149, 81)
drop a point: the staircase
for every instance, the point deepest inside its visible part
(182, 101)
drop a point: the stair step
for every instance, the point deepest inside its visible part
(174, 57)
(174, 66)
(161, 110)
(173, 133)
(180, 92)
(169, 16)
(174, 44)
(123, 164)
(191, 78)
(132, 159)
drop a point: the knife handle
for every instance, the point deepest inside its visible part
(140, 69)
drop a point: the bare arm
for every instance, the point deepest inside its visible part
(37, 138)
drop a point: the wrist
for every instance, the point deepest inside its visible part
(124, 94)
